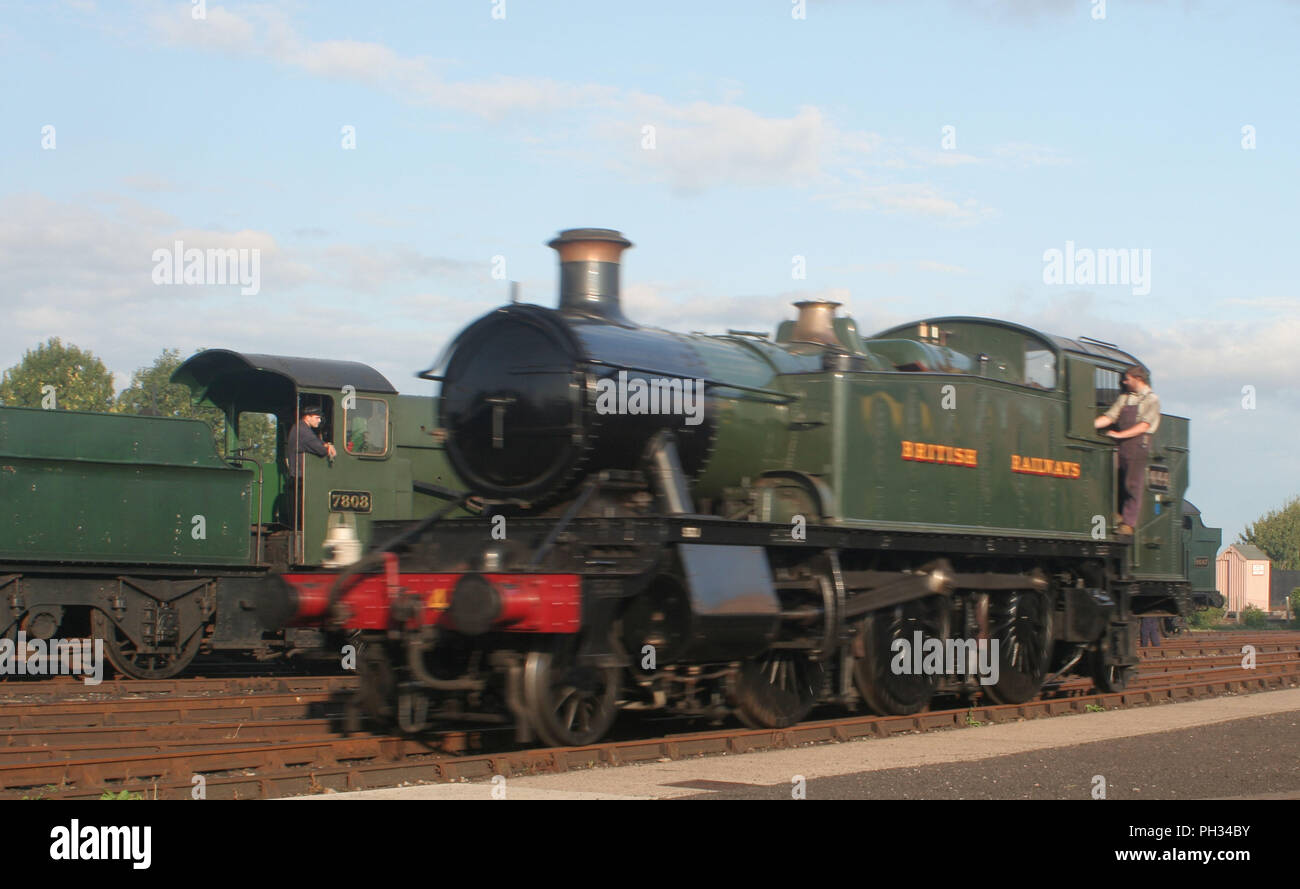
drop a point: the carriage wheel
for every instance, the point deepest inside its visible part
(885, 691)
(568, 705)
(1021, 622)
(127, 658)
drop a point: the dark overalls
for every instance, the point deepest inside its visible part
(1132, 463)
(302, 439)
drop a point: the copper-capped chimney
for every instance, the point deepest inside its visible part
(815, 322)
(589, 264)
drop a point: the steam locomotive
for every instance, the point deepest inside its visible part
(136, 531)
(753, 525)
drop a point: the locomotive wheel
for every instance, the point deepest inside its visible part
(376, 688)
(884, 691)
(130, 661)
(1110, 678)
(569, 705)
(777, 688)
(1021, 622)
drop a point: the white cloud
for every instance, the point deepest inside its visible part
(83, 272)
(262, 31)
(913, 198)
(220, 29)
(698, 145)
(374, 268)
(1193, 361)
(943, 158)
(701, 144)
(690, 306)
(1014, 154)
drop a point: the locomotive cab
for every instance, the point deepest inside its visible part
(385, 448)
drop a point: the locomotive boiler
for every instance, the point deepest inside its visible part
(752, 525)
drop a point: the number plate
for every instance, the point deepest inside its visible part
(1157, 478)
(349, 501)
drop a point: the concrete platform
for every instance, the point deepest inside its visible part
(1245, 746)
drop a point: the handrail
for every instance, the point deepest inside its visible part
(786, 397)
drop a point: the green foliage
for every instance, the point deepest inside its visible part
(1205, 618)
(152, 393)
(257, 436)
(81, 381)
(1295, 606)
(123, 794)
(1095, 708)
(1278, 535)
(1254, 618)
(39, 792)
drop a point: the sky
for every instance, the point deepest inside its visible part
(396, 164)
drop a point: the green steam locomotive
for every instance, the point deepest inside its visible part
(136, 531)
(754, 525)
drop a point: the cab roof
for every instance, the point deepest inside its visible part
(209, 366)
(268, 382)
(1083, 345)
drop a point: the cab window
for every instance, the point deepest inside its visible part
(1107, 385)
(366, 427)
(257, 433)
(1040, 367)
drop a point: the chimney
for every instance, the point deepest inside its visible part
(589, 263)
(814, 323)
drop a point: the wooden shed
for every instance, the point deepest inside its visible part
(1243, 574)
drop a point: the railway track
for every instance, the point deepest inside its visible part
(257, 737)
(69, 689)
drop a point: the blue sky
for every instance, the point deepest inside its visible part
(774, 136)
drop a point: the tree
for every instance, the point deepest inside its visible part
(257, 436)
(1278, 535)
(152, 393)
(62, 376)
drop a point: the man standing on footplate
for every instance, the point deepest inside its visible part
(303, 440)
(1135, 416)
